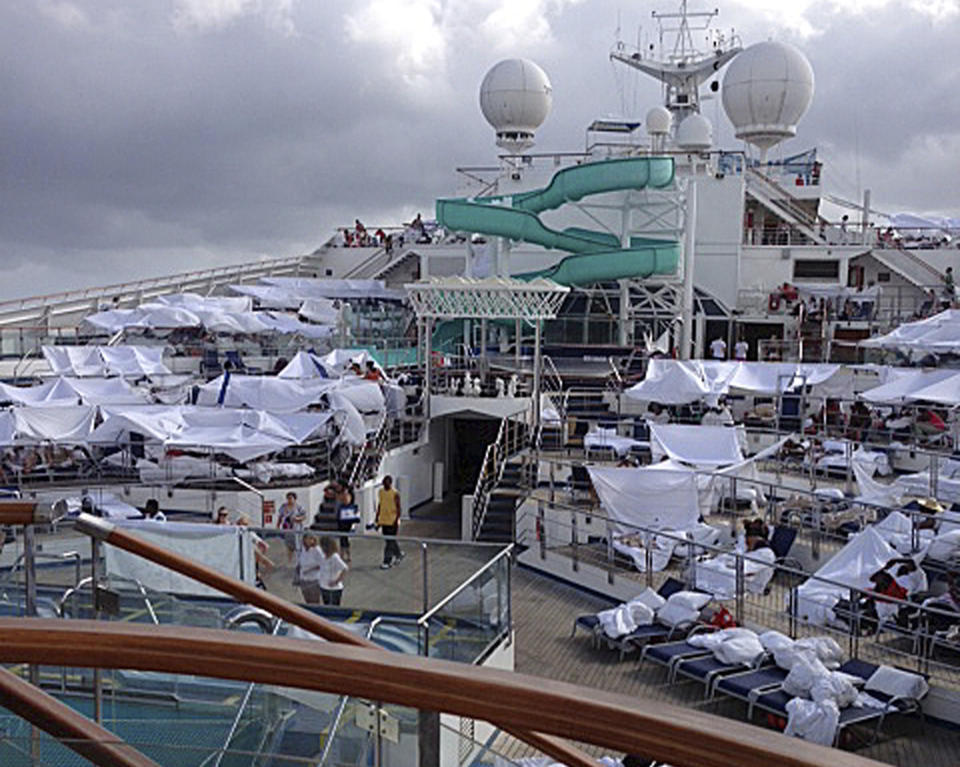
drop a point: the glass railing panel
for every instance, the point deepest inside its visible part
(451, 564)
(466, 624)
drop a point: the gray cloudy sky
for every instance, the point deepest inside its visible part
(141, 138)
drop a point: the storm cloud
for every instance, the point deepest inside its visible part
(142, 138)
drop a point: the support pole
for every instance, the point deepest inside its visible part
(865, 218)
(536, 375)
(690, 220)
(94, 591)
(517, 336)
(30, 584)
(427, 355)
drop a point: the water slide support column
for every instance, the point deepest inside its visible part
(623, 326)
(504, 257)
(690, 219)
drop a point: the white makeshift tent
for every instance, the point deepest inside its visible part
(73, 391)
(30, 425)
(647, 497)
(937, 385)
(851, 567)
(133, 361)
(303, 365)
(674, 382)
(701, 446)
(938, 334)
(262, 392)
(241, 434)
(669, 384)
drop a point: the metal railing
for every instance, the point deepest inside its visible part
(423, 622)
(507, 443)
(371, 450)
(153, 286)
(556, 529)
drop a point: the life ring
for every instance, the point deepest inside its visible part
(773, 302)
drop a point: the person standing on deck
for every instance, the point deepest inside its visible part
(740, 350)
(718, 349)
(332, 570)
(292, 518)
(388, 520)
(949, 286)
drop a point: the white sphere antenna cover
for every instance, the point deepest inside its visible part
(515, 98)
(695, 132)
(767, 89)
(658, 121)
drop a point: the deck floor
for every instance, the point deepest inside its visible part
(544, 610)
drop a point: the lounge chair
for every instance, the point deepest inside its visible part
(591, 623)
(775, 702)
(710, 671)
(747, 685)
(668, 654)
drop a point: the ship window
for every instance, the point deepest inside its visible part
(809, 269)
(883, 276)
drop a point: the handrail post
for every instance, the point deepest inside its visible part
(94, 578)
(541, 530)
(610, 562)
(854, 641)
(426, 576)
(648, 559)
(574, 543)
(740, 586)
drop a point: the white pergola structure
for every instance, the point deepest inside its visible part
(499, 298)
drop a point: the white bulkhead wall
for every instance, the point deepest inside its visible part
(719, 234)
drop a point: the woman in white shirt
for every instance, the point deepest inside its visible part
(332, 570)
(310, 564)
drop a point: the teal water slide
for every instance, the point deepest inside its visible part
(594, 256)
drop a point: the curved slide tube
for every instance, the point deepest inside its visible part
(576, 182)
(597, 256)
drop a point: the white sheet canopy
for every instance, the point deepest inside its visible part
(647, 497)
(674, 382)
(701, 446)
(132, 361)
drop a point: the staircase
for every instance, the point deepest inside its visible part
(909, 266)
(500, 522)
(404, 268)
(500, 483)
(365, 461)
(779, 201)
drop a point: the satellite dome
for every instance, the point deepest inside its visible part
(767, 88)
(695, 133)
(515, 98)
(659, 120)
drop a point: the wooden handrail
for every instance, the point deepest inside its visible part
(72, 729)
(682, 737)
(18, 512)
(298, 616)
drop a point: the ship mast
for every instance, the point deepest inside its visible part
(684, 68)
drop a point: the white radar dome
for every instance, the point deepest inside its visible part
(767, 88)
(695, 133)
(515, 98)
(658, 122)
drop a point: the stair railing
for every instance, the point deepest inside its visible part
(491, 472)
(373, 448)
